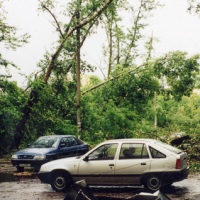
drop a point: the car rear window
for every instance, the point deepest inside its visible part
(168, 147)
(156, 154)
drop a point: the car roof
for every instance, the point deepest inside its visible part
(57, 136)
(133, 140)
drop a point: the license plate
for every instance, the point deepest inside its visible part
(24, 165)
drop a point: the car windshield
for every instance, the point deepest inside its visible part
(45, 143)
(169, 147)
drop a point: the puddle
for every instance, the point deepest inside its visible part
(5, 177)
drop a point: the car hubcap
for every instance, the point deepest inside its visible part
(154, 183)
(60, 182)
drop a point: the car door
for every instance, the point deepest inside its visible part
(81, 147)
(132, 163)
(98, 167)
(65, 148)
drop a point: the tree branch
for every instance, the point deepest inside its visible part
(54, 17)
(69, 33)
(111, 79)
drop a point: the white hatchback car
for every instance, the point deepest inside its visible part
(121, 162)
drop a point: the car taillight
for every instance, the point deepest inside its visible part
(178, 164)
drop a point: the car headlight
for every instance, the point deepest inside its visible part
(39, 157)
(14, 157)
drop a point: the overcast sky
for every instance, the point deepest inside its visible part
(172, 25)
(176, 28)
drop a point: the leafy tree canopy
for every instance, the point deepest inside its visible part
(179, 71)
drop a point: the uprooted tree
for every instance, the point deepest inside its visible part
(118, 106)
(95, 11)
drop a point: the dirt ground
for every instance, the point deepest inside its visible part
(26, 185)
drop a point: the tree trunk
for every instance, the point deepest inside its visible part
(78, 73)
(33, 99)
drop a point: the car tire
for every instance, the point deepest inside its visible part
(153, 183)
(37, 168)
(61, 181)
(20, 169)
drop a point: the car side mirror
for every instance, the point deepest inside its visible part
(86, 158)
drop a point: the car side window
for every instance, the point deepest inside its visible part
(104, 152)
(156, 154)
(133, 151)
(79, 142)
(72, 141)
(64, 142)
(68, 142)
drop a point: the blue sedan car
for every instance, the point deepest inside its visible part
(47, 148)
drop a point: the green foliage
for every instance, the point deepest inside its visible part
(194, 6)
(185, 115)
(55, 113)
(12, 100)
(118, 107)
(8, 34)
(179, 71)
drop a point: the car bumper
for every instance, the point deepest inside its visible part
(170, 177)
(32, 163)
(45, 177)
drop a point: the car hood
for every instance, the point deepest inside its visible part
(35, 151)
(64, 163)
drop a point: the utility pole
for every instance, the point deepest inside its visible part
(78, 72)
(155, 109)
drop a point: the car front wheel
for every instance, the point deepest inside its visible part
(20, 169)
(153, 182)
(61, 181)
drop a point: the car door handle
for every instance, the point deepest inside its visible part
(143, 163)
(111, 165)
